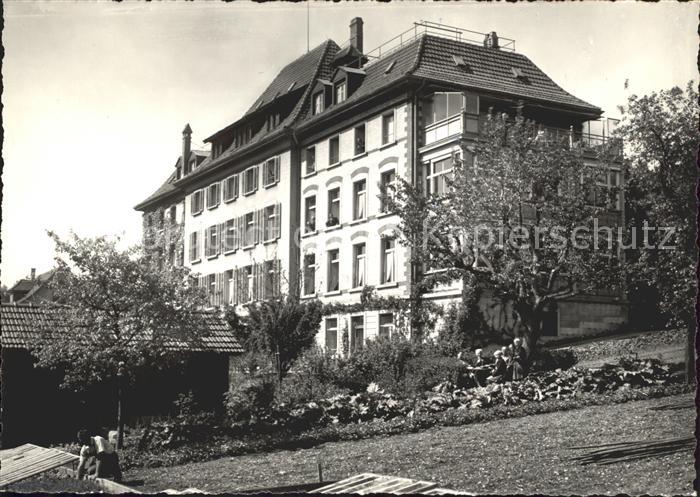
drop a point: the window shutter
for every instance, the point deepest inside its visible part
(258, 226)
(256, 173)
(222, 238)
(237, 233)
(276, 284)
(278, 221)
(256, 287)
(277, 168)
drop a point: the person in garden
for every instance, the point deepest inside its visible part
(508, 358)
(519, 360)
(101, 451)
(500, 368)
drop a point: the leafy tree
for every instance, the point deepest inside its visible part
(120, 314)
(280, 328)
(660, 131)
(516, 221)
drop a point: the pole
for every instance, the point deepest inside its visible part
(120, 405)
(307, 25)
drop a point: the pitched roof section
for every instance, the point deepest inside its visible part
(20, 322)
(323, 69)
(492, 70)
(168, 186)
(300, 72)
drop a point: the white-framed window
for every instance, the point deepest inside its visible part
(357, 332)
(334, 150)
(386, 325)
(250, 180)
(211, 289)
(212, 241)
(340, 92)
(194, 246)
(360, 139)
(318, 102)
(359, 199)
(271, 172)
(231, 188)
(388, 255)
(387, 189)
(388, 128)
(603, 188)
(249, 283)
(310, 214)
(436, 174)
(310, 160)
(213, 195)
(309, 274)
(229, 284)
(333, 207)
(333, 270)
(271, 221)
(197, 202)
(331, 334)
(358, 265)
(269, 279)
(441, 106)
(249, 226)
(230, 236)
(172, 214)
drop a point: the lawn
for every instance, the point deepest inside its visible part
(534, 454)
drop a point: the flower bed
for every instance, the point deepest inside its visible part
(375, 413)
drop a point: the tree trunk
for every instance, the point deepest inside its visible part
(690, 352)
(120, 417)
(531, 318)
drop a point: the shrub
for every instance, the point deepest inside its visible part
(381, 361)
(314, 376)
(250, 400)
(427, 371)
(551, 359)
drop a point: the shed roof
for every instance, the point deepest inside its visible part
(19, 324)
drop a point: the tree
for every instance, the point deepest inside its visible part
(280, 328)
(515, 220)
(120, 314)
(660, 131)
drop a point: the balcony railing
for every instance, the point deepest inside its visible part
(422, 28)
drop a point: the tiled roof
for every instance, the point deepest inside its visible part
(404, 60)
(20, 323)
(26, 284)
(168, 186)
(491, 70)
(300, 72)
(323, 69)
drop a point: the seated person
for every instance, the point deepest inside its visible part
(97, 448)
(478, 372)
(499, 370)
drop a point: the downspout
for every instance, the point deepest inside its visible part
(294, 252)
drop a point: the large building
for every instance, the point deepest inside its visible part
(292, 196)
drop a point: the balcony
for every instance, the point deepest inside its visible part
(591, 144)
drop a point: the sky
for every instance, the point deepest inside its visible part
(96, 94)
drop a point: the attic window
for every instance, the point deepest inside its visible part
(260, 102)
(390, 67)
(291, 86)
(459, 61)
(518, 73)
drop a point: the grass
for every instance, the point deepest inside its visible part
(533, 454)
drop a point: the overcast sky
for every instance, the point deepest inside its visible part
(96, 94)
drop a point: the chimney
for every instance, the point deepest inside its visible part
(33, 273)
(356, 37)
(491, 40)
(186, 148)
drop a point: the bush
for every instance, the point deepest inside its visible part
(382, 361)
(427, 371)
(250, 400)
(549, 360)
(314, 376)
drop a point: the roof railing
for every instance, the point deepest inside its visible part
(422, 28)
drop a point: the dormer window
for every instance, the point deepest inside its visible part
(340, 92)
(519, 74)
(459, 61)
(318, 102)
(390, 67)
